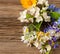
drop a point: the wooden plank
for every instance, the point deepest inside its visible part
(56, 2)
(10, 1)
(16, 48)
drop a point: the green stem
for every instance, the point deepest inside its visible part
(35, 27)
(41, 24)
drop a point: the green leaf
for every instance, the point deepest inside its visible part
(38, 25)
(55, 15)
(29, 16)
(47, 52)
(31, 27)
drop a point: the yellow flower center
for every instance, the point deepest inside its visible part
(28, 3)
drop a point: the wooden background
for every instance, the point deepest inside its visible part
(11, 29)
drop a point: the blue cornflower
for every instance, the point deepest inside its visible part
(52, 7)
(57, 10)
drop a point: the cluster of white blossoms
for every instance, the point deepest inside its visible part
(37, 39)
(38, 12)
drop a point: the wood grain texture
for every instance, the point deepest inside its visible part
(11, 29)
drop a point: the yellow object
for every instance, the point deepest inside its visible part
(27, 30)
(28, 3)
(47, 34)
(40, 34)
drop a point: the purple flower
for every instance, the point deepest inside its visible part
(58, 30)
(52, 7)
(55, 46)
(55, 24)
(57, 10)
(45, 30)
(50, 42)
(54, 38)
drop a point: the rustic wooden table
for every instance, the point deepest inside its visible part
(11, 29)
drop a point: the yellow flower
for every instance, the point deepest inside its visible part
(47, 34)
(28, 3)
(40, 34)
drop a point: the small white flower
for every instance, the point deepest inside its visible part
(26, 41)
(39, 19)
(41, 51)
(52, 32)
(32, 10)
(46, 17)
(44, 14)
(22, 16)
(48, 47)
(22, 38)
(46, 3)
(37, 12)
(40, 2)
(36, 44)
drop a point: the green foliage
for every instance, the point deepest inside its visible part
(55, 15)
(35, 26)
(29, 16)
(47, 52)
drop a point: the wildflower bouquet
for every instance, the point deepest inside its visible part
(43, 30)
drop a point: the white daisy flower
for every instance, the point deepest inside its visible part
(32, 10)
(37, 12)
(46, 3)
(22, 38)
(48, 47)
(46, 18)
(23, 16)
(40, 2)
(38, 19)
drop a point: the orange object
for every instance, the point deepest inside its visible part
(28, 3)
